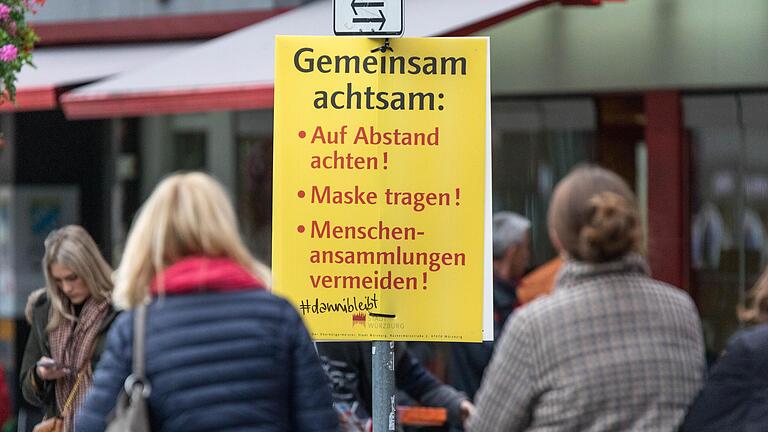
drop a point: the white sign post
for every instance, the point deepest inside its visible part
(376, 19)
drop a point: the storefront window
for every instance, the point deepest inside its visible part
(189, 150)
(729, 205)
(254, 201)
(536, 143)
(6, 157)
(254, 180)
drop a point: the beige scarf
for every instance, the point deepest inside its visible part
(72, 344)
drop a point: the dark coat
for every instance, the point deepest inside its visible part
(36, 391)
(218, 361)
(735, 395)
(349, 365)
(469, 360)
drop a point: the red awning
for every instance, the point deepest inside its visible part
(61, 68)
(236, 71)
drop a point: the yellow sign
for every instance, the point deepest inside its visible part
(380, 186)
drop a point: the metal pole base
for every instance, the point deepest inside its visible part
(384, 411)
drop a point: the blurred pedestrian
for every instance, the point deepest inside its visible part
(735, 395)
(222, 352)
(349, 366)
(610, 349)
(539, 282)
(69, 322)
(511, 257)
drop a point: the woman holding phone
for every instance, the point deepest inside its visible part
(69, 323)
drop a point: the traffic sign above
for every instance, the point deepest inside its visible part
(382, 18)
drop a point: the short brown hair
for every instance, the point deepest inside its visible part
(594, 215)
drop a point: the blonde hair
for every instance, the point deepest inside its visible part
(72, 247)
(594, 215)
(756, 311)
(187, 214)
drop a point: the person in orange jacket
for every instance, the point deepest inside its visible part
(539, 282)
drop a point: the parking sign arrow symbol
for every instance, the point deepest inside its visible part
(356, 4)
(381, 20)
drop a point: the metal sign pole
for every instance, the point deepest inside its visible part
(376, 19)
(384, 412)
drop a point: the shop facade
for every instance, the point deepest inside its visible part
(671, 94)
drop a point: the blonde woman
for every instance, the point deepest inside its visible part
(222, 352)
(735, 396)
(610, 349)
(69, 322)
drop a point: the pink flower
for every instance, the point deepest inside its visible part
(8, 53)
(5, 12)
(30, 5)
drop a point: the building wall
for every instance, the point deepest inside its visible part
(52, 150)
(632, 45)
(202, 141)
(84, 10)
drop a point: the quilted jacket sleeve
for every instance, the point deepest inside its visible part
(725, 398)
(312, 402)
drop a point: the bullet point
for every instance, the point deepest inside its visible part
(302, 134)
(300, 228)
(301, 194)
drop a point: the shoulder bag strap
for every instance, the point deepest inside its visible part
(139, 324)
(137, 369)
(71, 397)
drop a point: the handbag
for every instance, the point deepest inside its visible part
(131, 412)
(56, 423)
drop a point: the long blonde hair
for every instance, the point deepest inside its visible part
(72, 247)
(187, 214)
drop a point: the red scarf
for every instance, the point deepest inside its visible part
(204, 274)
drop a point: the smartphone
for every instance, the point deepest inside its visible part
(50, 363)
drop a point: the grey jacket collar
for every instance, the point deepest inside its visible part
(577, 272)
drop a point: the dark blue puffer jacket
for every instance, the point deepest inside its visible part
(218, 361)
(735, 395)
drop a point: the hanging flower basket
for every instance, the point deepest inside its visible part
(16, 42)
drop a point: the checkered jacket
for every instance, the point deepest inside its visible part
(610, 350)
